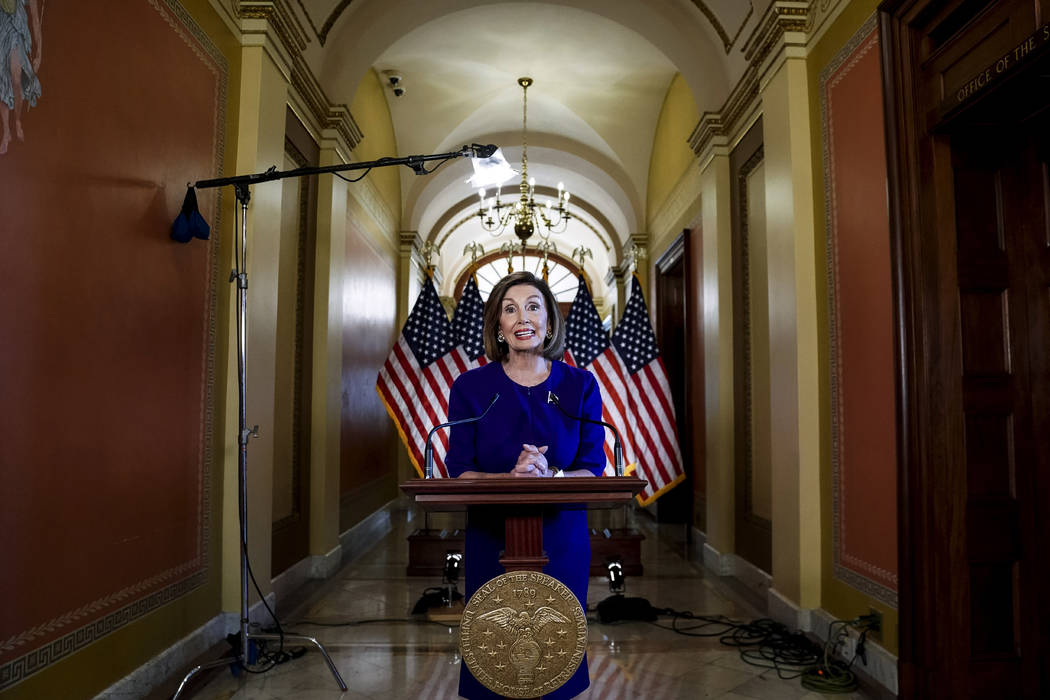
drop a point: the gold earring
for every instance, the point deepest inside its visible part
(550, 334)
(500, 337)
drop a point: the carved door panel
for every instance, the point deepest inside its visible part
(1001, 189)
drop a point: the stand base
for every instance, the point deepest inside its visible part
(225, 661)
(446, 615)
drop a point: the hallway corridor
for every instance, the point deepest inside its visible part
(415, 659)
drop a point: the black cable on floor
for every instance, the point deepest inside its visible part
(763, 643)
(378, 620)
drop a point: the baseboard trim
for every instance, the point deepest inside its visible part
(363, 536)
(757, 581)
(720, 564)
(787, 612)
(697, 543)
(882, 665)
(177, 658)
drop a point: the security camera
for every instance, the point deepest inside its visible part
(395, 80)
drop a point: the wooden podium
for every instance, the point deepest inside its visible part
(523, 500)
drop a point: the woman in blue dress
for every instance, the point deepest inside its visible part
(524, 437)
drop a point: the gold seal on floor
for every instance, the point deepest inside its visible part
(523, 634)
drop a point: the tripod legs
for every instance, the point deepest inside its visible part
(225, 661)
(311, 640)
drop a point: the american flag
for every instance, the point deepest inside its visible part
(468, 322)
(636, 396)
(414, 382)
(587, 346)
(652, 411)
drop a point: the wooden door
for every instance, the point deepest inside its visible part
(752, 465)
(970, 212)
(672, 283)
(291, 438)
(1001, 190)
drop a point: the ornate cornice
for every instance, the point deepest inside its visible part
(326, 115)
(278, 20)
(683, 196)
(281, 18)
(782, 18)
(716, 128)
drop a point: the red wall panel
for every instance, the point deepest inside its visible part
(105, 329)
(863, 382)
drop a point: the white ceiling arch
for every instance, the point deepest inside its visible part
(363, 29)
(601, 70)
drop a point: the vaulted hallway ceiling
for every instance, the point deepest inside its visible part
(601, 69)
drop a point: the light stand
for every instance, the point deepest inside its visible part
(239, 276)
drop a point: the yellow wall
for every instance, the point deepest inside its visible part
(838, 598)
(671, 155)
(372, 115)
(794, 424)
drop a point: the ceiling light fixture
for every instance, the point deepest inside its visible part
(526, 214)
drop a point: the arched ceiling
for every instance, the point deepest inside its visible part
(601, 70)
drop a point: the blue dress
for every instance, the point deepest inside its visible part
(522, 415)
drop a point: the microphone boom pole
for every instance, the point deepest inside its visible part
(239, 276)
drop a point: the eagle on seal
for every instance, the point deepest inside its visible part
(518, 622)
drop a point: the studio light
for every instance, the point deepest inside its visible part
(453, 559)
(614, 571)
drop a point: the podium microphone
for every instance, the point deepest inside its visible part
(428, 452)
(552, 398)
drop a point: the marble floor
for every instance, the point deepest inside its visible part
(408, 658)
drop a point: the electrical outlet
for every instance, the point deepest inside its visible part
(874, 624)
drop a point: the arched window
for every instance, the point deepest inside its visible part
(561, 279)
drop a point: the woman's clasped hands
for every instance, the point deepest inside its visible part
(531, 462)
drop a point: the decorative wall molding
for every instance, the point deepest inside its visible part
(91, 621)
(717, 129)
(382, 221)
(176, 659)
(847, 568)
(727, 41)
(781, 17)
(673, 214)
(280, 17)
(744, 241)
(278, 21)
(784, 23)
(326, 28)
(331, 120)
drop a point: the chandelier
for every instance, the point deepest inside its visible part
(526, 215)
